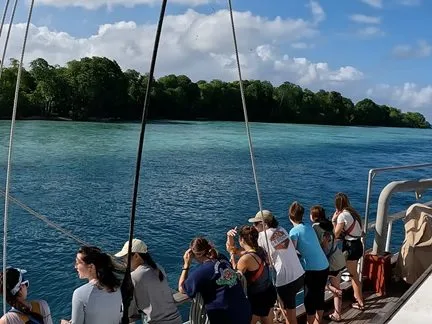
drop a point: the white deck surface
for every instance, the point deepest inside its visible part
(417, 309)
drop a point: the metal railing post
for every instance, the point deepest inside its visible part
(388, 239)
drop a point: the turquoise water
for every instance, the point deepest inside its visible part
(196, 179)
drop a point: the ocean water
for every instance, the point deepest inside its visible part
(196, 180)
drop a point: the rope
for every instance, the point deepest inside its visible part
(4, 16)
(44, 219)
(9, 160)
(8, 34)
(126, 284)
(251, 151)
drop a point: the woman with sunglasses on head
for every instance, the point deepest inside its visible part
(254, 265)
(217, 282)
(100, 300)
(23, 311)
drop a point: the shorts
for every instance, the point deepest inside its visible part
(315, 283)
(288, 293)
(352, 249)
(335, 273)
(262, 302)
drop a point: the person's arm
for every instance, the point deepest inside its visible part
(243, 264)
(45, 312)
(230, 243)
(340, 224)
(338, 230)
(293, 235)
(77, 308)
(187, 259)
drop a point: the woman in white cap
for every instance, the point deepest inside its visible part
(275, 240)
(152, 295)
(23, 311)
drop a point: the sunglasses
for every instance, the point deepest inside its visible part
(25, 283)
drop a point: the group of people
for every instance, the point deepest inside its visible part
(100, 300)
(276, 265)
(269, 267)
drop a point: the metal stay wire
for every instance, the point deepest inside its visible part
(251, 151)
(9, 160)
(4, 16)
(126, 284)
(7, 35)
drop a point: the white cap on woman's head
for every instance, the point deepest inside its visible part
(265, 216)
(138, 246)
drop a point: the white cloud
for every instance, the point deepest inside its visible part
(94, 4)
(421, 49)
(317, 12)
(302, 45)
(363, 19)
(370, 32)
(407, 96)
(197, 45)
(410, 2)
(374, 3)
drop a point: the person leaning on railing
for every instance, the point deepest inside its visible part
(253, 263)
(217, 282)
(275, 240)
(348, 227)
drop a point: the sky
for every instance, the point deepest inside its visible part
(378, 49)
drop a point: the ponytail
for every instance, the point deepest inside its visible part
(104, 267)
(149, 260)
(201, 247)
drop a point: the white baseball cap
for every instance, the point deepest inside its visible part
(138, 246)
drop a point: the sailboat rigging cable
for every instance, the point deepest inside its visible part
(127, 279)
(251, 151)
(7, 35)
(44, 219)
(9, 160)
(4, 16)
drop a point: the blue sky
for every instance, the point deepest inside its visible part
(387, 44)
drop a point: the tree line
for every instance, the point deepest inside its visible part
(97, 88)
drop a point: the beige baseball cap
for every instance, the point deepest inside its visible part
(265, 216)
(138, 246)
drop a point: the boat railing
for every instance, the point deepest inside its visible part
(371, 176)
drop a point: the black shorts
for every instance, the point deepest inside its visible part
(262, 302)
(288, 293)
(315, 283)
(353, 249)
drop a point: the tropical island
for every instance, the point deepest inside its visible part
(97, 89)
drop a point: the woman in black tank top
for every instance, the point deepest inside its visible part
(253, 264)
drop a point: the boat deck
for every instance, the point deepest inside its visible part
(374, 305)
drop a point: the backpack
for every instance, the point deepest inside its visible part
(328, 237)
(28, 319)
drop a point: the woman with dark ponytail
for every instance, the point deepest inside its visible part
(152, 295)
(217, 282)
(23, 311)
(254, 264)
(100, 300)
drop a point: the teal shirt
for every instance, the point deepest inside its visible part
(312, 256)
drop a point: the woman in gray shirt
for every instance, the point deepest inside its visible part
(152, 296)
(99, 301)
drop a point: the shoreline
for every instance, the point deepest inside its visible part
(123, 121)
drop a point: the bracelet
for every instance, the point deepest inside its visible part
(184, 269)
